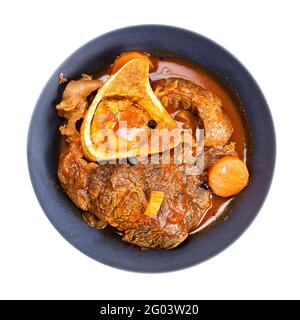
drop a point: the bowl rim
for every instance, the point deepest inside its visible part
(31, 164)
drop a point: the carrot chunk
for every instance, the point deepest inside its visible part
(126, 57)
(228, 176)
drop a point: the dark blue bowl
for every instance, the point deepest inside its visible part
(105, 246)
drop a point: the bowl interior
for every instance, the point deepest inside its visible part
(106, 246)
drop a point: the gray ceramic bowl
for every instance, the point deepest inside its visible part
(105, 246)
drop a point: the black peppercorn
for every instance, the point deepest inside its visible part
(205, 185)
(152, 124)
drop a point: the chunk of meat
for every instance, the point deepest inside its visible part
(217, 125)
(73, 174)
(121, 193)
(74, 102)
(214, 153)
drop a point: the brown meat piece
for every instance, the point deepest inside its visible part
(74, 103)
(73, 171)
(214, 153)
(73, 174)
(119, 193)
(217, 125)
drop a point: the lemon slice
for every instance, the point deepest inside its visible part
(127, 97)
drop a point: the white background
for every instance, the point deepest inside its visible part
(36, 262)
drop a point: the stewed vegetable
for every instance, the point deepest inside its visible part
(228, 176)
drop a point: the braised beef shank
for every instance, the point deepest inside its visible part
(119, 193)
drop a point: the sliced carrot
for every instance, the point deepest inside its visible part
(228, 176)
(126, 57)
